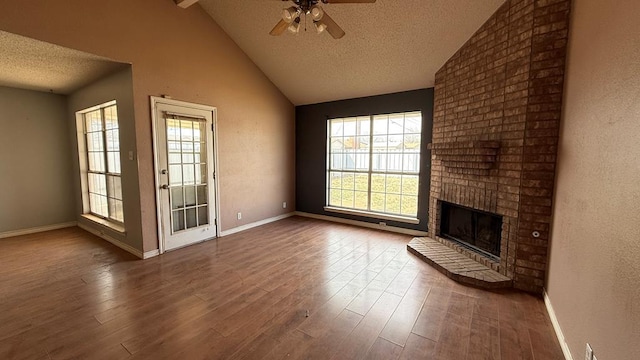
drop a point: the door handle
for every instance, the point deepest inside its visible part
(164, 187)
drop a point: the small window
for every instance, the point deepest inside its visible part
(374, 164)
(100, 155)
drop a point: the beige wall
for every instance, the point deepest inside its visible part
(185, 54)
(36, 180)
(117, 87)
(594, 273)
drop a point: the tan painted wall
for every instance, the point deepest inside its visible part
(36, 181)
(183, 53)
(594, 273)
(117, 87)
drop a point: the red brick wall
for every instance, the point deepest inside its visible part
(505, 84)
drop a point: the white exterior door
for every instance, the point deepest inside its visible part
(185, 173)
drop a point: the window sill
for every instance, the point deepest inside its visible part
(106, 223)
(397, 218)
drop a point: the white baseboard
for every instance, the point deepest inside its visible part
(150, 254)
(255, 224)
(126, 247)
(37, 229)
(556, 327)
(394, 229)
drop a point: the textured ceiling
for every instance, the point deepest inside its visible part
(390, 46)
(35, 65)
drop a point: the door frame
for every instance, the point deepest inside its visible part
(155, 100)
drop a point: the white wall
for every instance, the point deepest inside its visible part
(594, 272)
(36, 178)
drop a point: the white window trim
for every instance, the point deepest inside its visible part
(396, 218)
(360, 212)
(104, 222)
(83, 163)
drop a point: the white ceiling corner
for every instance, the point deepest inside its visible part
(390, 46)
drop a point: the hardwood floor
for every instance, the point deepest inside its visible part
(67, 294)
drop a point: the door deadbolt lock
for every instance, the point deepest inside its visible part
(164, 187)
(163, 171)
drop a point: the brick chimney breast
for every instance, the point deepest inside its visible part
(498, 103)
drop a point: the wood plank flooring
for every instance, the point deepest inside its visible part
(295, 289)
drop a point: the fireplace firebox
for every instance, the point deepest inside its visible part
(477, 230)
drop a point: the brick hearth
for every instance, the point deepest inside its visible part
(457, 266)
(498, 104)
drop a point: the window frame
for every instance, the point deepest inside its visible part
(83, 154)
(371, 172)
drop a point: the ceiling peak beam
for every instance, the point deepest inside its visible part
(185, 3)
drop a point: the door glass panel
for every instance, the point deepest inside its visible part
(186, 130)
(175, 175)
(174, 158)
(187, 146)
(192, 221)
(190, 195)
(202, 195)
(201, 173)
(173, 129)
(198, 130)
(203, 215)
(174, 146)
(188, 174)
(178, 220)
(177, 198)
(187, 159)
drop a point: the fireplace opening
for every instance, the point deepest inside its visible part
(477, 230)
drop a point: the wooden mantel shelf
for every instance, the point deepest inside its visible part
(467, 157)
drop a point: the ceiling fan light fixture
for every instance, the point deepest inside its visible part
(290, 14)
(295, 26)
(316, 13)
(320, 26)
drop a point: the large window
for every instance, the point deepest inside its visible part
(103, 186)
(374, 164)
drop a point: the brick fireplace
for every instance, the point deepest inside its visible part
(498, 104)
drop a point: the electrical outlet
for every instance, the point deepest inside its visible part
(240, 218)
(588, 355)
(284, 205)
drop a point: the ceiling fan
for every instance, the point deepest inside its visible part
(321, 20)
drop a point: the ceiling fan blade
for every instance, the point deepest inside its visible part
(280, 27)
(334, 29)
(347, 1)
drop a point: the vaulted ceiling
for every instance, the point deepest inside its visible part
(390, 45)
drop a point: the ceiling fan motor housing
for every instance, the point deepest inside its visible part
(306, 5)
